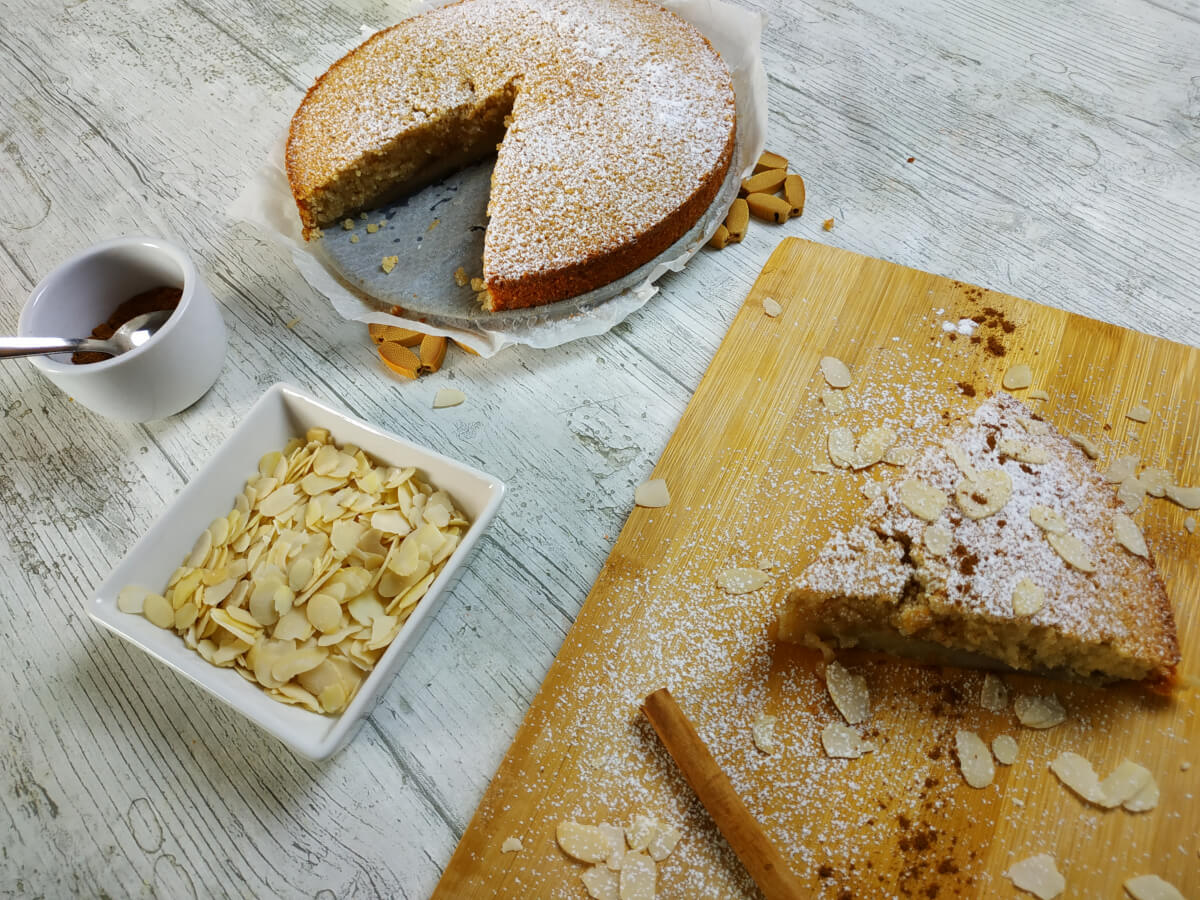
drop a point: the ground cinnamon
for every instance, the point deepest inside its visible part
(153, 300)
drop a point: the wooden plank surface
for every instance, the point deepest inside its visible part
(900, 821)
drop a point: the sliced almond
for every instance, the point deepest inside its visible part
(601, 883)
(1039, 712)
(842, 451)
(1073, 551)
(1048, 519)
(1129, 535)
(834, 401)
(1035, 426)
(1038, 875)
(835, 372)
(132, 599)
(771, 307)
(1027, 598)
(843, 742)
(638, 877)
(1139, 413)
(511, 844)
(984, 495)
(993, 696)
(937, 539)
(652, 494)
(1038, 395)
(899, 456)
(1077, 773)
(762, 731)
(586, 843)
(1086, 444)
(1017, 377)
(447, 397)
(664, 841)
(1131, 492)
(1156, 481)
(1121, 468)
(922, 500)
(1187, 497)
(1145, 799)
(1151, 887)
(616, 845)
(848, 692)
(741, 581)
(961, 459)
(1126, 782)
(1023, 451)
(873, 445)
(640, 832)
(974, 759)
(1004, 748)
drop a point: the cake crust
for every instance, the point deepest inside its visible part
(615, 122)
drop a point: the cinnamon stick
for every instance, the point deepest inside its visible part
(762, 860)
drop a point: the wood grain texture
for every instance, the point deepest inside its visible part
(901, 820)
(1057, 157)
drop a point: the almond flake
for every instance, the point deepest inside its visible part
(836, 373)
(984, 495)
(961, 459)
(994, 695)
(1038, 875)
(1129, 535)
(835, 401)
(899, 456)
(1048, 519)
(132, 599)
(1005, 748)
(974, 759)
(843, 742)
(1034, 426)
(872, 490)
(585, 843)
(1151, 887)
(1131, 492)
(1187, 497)
(1038, 394)
(1023, 451)
(937, 539)
(1156, 481)
(616, 845)
(512, 845)
(652, 494)
(848, 692)
(771, 307)
(1145, 799)
(1190, 524)
(1139, 414)
(641, 832)
(741, 581)
(1087, 445)
(1077, 773)
(1017, 377)
(1121, 468)
(448, 397)
(1072, 550)
(763, 733)
(1126, 782)
(601, 884)
(841, 448)
(638, 876)
(1039, 712)
(922, 500)
(873, 445)
(664, 841)
(1027, 598)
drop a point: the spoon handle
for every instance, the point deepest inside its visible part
(12, 347)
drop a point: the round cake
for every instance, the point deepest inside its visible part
(614, 122)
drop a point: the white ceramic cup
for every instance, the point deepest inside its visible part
(169, 372)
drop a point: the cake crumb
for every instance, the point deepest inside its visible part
(388, 263)
(372, 228)
(354, 238)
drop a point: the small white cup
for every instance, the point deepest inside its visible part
(169, 372)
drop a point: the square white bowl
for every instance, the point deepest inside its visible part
(282, 413)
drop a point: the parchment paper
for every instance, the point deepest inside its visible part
(440, 228)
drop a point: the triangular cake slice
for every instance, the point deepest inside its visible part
(995, 547)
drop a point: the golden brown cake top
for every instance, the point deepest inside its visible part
(622, 111)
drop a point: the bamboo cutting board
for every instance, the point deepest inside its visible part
(900, 821)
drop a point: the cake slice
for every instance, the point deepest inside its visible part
(996, 547)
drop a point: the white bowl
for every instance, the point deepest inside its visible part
(282, 413)
(169, 372)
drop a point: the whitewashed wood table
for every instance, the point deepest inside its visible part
(1056, 156)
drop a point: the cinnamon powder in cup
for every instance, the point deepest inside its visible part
(146, 302)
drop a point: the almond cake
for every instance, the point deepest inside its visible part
(614, 119)
(997, 546)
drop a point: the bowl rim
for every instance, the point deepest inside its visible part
(168, 248)
(103, 609)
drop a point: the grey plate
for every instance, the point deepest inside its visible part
(439, 229)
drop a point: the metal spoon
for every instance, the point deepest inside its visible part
(132, 334)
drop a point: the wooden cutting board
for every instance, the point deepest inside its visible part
(900, 821)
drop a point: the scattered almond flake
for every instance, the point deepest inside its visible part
(1129, 535)
(1131, 492)
(873, 445)
(1151, 887)
(664, 841)
(638, 876)
(652, 494)
(1037, 875)
(1048, 519)
(1126, 782)
(822, 468)
(741, 581)
(512, 845)
(292, 323)
(601, 883)
(1190, 524)
(1038, 394)
(1184, 766)
(1156, 480)
(974, 759)
(848, 692)
(1145, 799)
(899, 456)
(1027, 598)
(1139, 414)
(615, 836)
(1017, 377)
(1087, 445)
(448, 397)
(959, 455)
(762, 730)
(1023, 451)
(841, 448)
(1077, 773)
(1121, 468)
(771, 307)
(1034, 426)
(640, 832)
(1005, 748)
(843, 742)
(1187, 497)
(872, 490)
(937, 539)
(994, 694)
(835, 401)
(388, 263)
(922, 500)
(1039, 712)
(1072, 550)
(984, 495)
(585, 843)
(836, 373)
